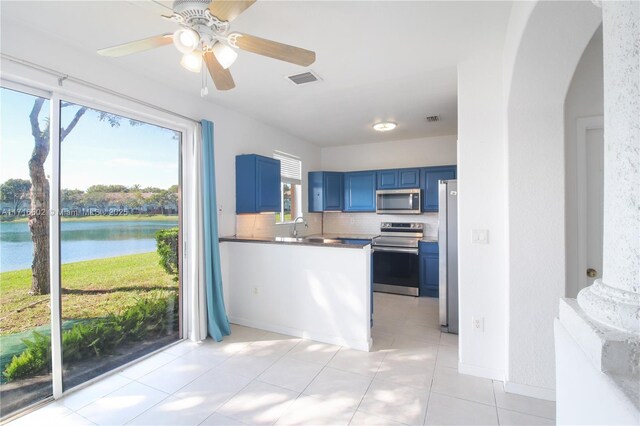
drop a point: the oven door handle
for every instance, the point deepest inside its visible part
(396, 250)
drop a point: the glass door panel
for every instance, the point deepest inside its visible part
(119, 240)
(25, 315)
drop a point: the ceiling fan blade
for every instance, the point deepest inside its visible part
(137, 46)
(221, 77)
(275, 50)
(228, 10)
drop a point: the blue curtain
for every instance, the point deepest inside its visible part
(217, 321)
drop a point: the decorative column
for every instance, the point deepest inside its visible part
(614, 300)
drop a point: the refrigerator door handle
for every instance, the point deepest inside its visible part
(442, 252)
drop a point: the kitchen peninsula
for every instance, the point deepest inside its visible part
(317, 287)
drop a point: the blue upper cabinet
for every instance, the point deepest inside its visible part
(326, 191)
(429, 177)
(360, 191)
(257, 184)
(409, 178)
(387, 179)
(398, 178)
(429, 269)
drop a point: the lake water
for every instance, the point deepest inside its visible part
(81, 241)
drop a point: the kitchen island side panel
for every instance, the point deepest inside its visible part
(318, 293)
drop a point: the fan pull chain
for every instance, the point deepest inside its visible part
(204, 91)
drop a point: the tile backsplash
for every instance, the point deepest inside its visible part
(369, 223)
(264, 225)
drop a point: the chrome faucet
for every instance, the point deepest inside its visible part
(295, 223)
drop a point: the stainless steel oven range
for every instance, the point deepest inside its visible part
(396, 263)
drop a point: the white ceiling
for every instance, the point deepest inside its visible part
(383, 60)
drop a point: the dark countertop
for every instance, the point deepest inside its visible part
(324, 240)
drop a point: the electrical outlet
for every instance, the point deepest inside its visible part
(478, 324)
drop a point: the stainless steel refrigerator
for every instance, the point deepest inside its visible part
(448, 252)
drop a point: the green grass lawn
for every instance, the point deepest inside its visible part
(90, 289)
(106, 218)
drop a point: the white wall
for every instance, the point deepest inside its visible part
(585, 98)
(436, 151)
(482, 172)
(234, 133)
(549, 50)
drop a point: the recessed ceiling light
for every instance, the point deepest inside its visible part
(385, 126)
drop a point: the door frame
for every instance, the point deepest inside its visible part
(584, 124)
(129, 110)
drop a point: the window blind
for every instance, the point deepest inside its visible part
(290, 167)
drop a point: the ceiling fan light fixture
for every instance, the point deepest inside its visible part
(225, 55)
(186, 40)
(192, 61)
(384, 126)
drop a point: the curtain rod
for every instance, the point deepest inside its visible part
(66, 77)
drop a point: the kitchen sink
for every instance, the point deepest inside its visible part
(321, 240)
(290, 239)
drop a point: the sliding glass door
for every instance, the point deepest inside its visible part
(102, 262)
(119, 238)
(25, 314)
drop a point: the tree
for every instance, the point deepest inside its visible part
(107, 188)
(71, 198)
(100, 200)
(137, 201)
(39, 212)
(16, 192)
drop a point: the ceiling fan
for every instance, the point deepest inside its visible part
(204, 35)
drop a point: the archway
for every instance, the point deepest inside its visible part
(552, 42)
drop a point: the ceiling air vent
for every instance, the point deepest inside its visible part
(304, 78)
(433, 118)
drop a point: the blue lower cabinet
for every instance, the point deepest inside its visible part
(360, 191)
(257, 184)
(429, 178)
(356, 241)
(429, 269)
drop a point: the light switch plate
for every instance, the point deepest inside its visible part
(480, 236)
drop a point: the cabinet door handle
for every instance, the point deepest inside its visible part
(592, 273)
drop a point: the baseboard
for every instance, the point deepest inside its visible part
(333, 340)
(532, 391)
(475, 370)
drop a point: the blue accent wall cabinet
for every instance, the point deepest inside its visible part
(429, 177)
(360, 191)
(326, 191)
(398, 178)
(429, 269)
(257, 184)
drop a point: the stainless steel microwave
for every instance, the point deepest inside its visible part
(398, 201)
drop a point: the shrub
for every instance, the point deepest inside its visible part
(33, 360)
(167, 246)
(148, 317)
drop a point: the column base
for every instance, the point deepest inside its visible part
(611, 306)
(610, 351)
(584, 394)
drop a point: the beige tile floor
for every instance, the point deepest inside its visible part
(257, 377)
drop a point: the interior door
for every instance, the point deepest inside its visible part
(594, 204)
